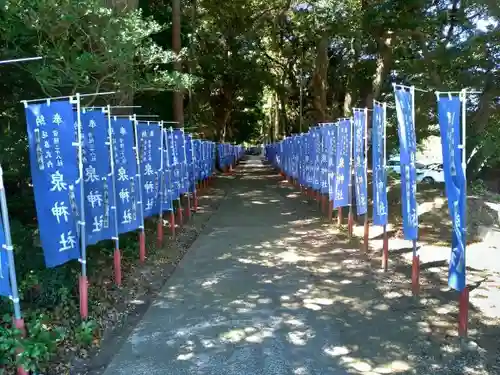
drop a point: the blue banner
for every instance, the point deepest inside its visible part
(406, 125)
(54, 171)
(174, 164)
(126, 177)
(180, 152)
(360, 182)
(342, 162)
(323, 159)
(5, 288)
(380, 209)
(97, 182)
(408, 149)
(332, 159)
(191, 162)
(168, 192)
(149, 137)
(449, 113)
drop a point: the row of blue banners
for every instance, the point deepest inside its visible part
(326, 157)
(130, 171)
(329, 156)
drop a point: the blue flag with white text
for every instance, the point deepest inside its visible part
(380, 209)
(149, 137)
(408, 149)
(97, 181)
(361, 188)
(54, 171)
(449, 114)
(126, 176)
(168, 187)
(343, 167)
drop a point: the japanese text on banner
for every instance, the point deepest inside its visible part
(359, 162)
(54, 172)
(168, 192)
(332, 159)
(379, 170)
(150, 159)
(96, 177)
(449, 113)
(343, 167)
(174, 164)
(180, 152)
(127, 185)
(408, 149)
(324, 160)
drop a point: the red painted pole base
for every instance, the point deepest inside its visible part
(172, 223)
(159, 233)
(340, 216)
(19, 324)
(188, 208)
(323, 203)
(330, 211)
(142, 246)
(415, 275)
(195, 201)
(385, 251)
(180, 218)
(83, 287)
(463, 313)
(366, 236)
(350, 223)
(117, 261)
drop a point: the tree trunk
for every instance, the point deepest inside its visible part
(383, 67)
(178, 97)
(348, 96)
(319, 80)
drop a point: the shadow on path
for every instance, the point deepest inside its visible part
(270, 289)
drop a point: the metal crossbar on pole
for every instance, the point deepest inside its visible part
(23, 59)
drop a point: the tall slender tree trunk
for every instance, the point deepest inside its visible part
(178, 97)
(383, 66)
(319, 81)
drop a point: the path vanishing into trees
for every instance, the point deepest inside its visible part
(268, 288)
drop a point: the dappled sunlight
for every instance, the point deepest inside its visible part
(296, 289)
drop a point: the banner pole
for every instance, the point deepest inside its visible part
(142, 233)
(18, 319)
(350, 219)
(83, 281)
(195, 181)
(117, 253)
(416, 257)
(180, 218)
(159, 226)
(463, 314)
(385, 251)
(366, 226)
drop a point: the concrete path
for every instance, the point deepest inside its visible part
(237, 303)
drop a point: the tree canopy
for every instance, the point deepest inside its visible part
(247, 69)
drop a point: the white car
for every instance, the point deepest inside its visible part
(427, 173)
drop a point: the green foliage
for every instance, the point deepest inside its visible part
(87, 46)
(32, 352)
(84, 333)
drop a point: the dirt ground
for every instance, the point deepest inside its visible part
(386, 297)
